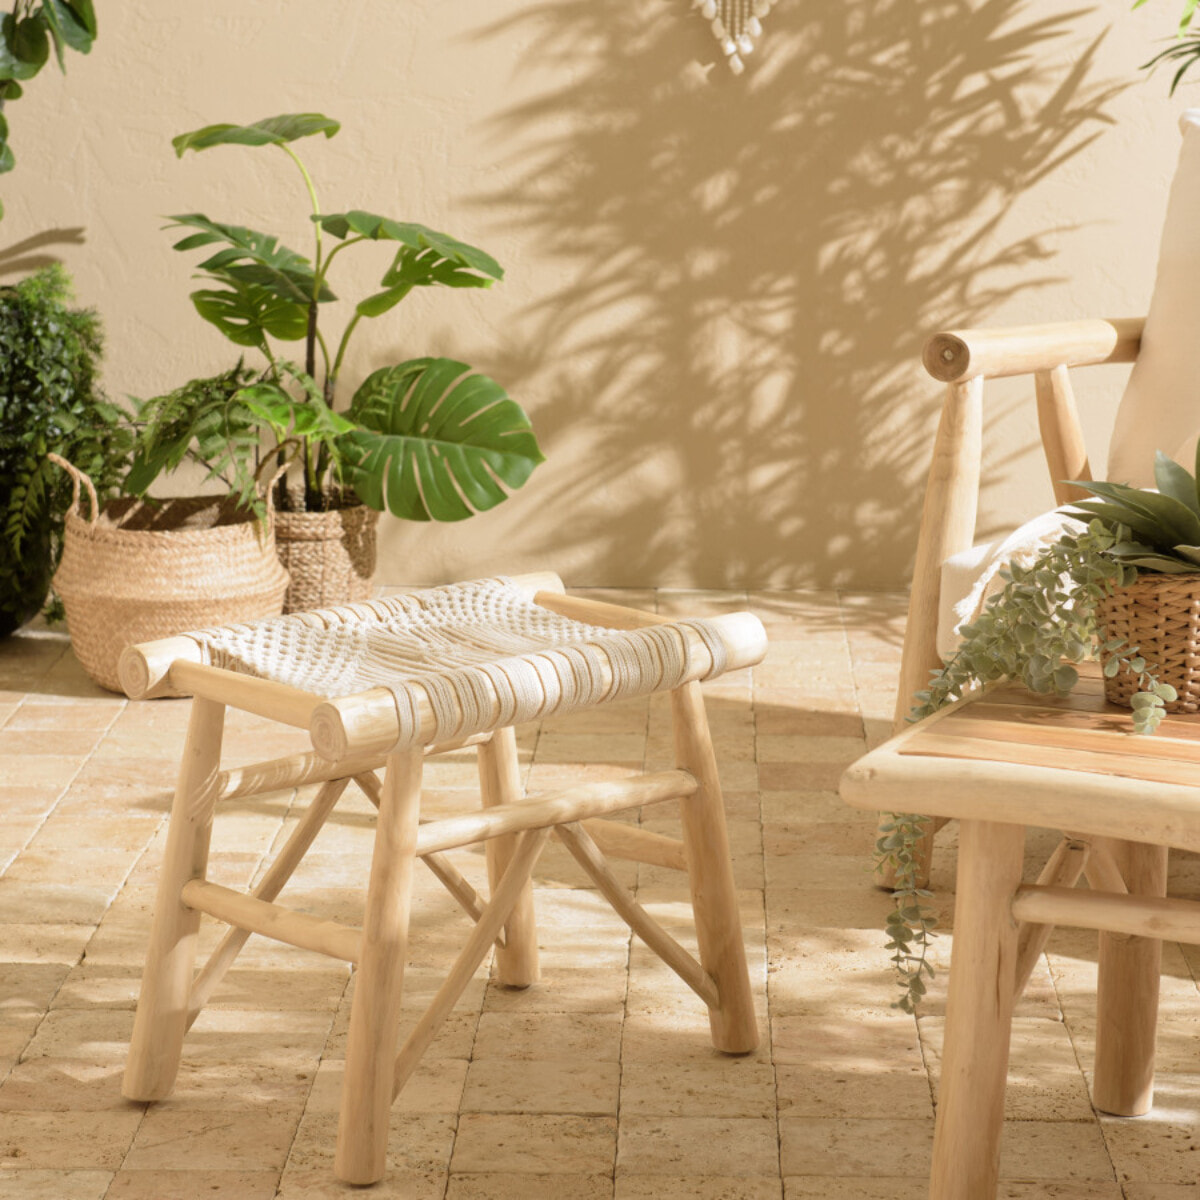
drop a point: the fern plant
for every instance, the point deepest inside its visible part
(1037, 629)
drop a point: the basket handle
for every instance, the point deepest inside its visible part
(78, 477)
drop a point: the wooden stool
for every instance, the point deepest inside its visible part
(382, 685)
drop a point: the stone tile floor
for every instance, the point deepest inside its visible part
(598, 1082)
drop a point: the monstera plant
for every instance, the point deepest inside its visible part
(429, 438)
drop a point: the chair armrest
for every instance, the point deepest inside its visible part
(961, 354)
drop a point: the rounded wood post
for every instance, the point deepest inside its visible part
(710, 874)
(362, 1137)
(1127, 994)
(947, 527)
(162, 1012)
(970, 1111)
(500, 783)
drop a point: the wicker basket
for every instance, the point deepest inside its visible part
(1160, 614)
(330, 556)
(135, 572)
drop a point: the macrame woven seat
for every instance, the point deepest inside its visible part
(455, 641)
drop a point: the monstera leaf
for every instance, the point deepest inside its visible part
(436, 440)
(272, 131)
(252, 257)
(425, 257)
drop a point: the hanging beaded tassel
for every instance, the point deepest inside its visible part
(735, 24)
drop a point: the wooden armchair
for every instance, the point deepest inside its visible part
(1003, 759)
(964, 360)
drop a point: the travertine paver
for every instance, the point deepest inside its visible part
(599, 1083)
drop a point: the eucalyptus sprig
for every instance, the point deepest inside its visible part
(1037, 629)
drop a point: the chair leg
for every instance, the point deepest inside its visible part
(970, 1114)
(500, 783)
(710, 874)
(362, 1137)
(1127, 994)
(162, 1012)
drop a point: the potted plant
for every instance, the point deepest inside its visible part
(50, 400)
(429, 438)
(1106, 591)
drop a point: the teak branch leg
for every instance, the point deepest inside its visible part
(710, 874)
(970, 1116)
(361, 1156)
(162, 1012)
(1127, 993)
(500, 783)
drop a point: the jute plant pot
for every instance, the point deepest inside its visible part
(135, 571)
(330, 556)
(1160, 615)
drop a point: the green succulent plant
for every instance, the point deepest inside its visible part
(1036, 630)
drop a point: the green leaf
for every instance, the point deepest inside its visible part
(24, 47)
(245, 313)
(69, 26)
(436, 441)
(1173, 480)
(272, 131)
(445, 249)
(251, 258)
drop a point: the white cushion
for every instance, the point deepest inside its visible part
(1161, 406)
(970, 577)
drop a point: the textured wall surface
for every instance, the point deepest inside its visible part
(717, 287)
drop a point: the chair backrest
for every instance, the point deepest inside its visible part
(1161, 406)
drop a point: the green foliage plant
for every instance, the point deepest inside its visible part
(1037, 629)
(50, 400)
(27, 35)
(1184, 53)
(429, 438)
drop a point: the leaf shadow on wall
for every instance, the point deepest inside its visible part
(751, 265)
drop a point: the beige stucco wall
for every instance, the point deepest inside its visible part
(717, 287)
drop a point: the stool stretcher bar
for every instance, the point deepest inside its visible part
(450, 877)
(282, 924)
(586, 800)
(1112, 912)
(587, 854)
(278, 873)
(529, 847)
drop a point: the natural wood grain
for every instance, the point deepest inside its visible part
(1062, 439)
(970, 1113)
(516, 965)
(361, 1154)
(1021, 350)
(1127, 989)
(573, 804)
(525, 855)
(710, 878)
(587, 854)
(1062, 869)
(161, 1019)
(271, 884)
(273, 920)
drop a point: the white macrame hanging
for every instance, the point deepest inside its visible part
(735, 24)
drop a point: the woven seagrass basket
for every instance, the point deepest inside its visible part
(330, 556)
(1160, 614)
(133, 572)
